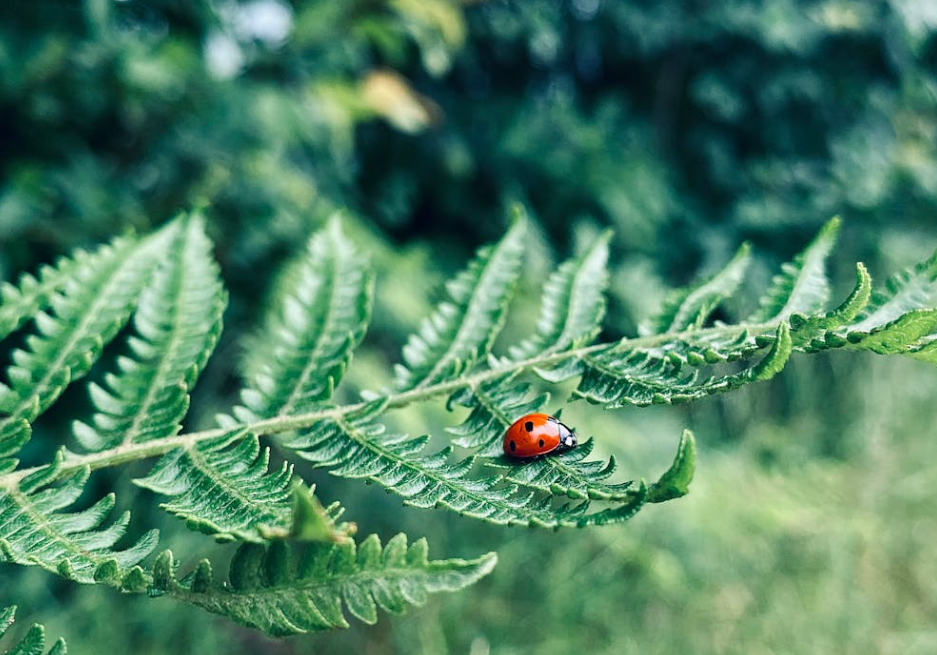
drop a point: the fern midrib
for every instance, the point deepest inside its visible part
(138, 451)
(312, 361)
(39, 390)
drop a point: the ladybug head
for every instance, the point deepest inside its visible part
(567, 437)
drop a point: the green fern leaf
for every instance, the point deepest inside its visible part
(573, 304)
(675, 482)
(691, 306)
(35, 530)
(178, 322)
(570, 474)
(802, 285)
(355, 446)
(273, 590)
(224, 488)
(308, 339)
(91, 308)
(34, 643)
(622, 376)
(464, 327)
(907, 334)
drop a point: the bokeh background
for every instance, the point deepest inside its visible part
(686, 126)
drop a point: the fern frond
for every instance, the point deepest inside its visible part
(802, 285)
(573, 304)
(308, 340)
(811, 333)
(464, 327)
(178, 322)
(899, 320)
(274, 590)
(34, 643)
(690, 307)
(34, 530)
(89, 310)
(225, 488)
(622, 376)
(355, 446)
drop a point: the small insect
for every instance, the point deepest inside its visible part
(537, 434)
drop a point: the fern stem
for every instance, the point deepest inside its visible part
(132, 452)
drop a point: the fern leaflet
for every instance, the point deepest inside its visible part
(309, 337)
(573, 304)
(21, 302)
(272, 590)
(802, 285)
(223, 488)
(690, 307)
(178, 321)
(464, 327)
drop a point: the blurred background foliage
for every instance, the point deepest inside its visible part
(686, 126)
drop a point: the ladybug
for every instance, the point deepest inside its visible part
(537, 434)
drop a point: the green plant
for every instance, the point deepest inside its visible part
(296, 563)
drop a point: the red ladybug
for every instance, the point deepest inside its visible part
(537, 434)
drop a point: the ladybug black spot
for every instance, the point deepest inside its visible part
(529, 426)
(541, 443)
(513, 446)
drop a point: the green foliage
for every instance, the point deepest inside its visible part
(282, 593)
(223, 487)
(34, 643)
(675, 482)
(220, 480)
